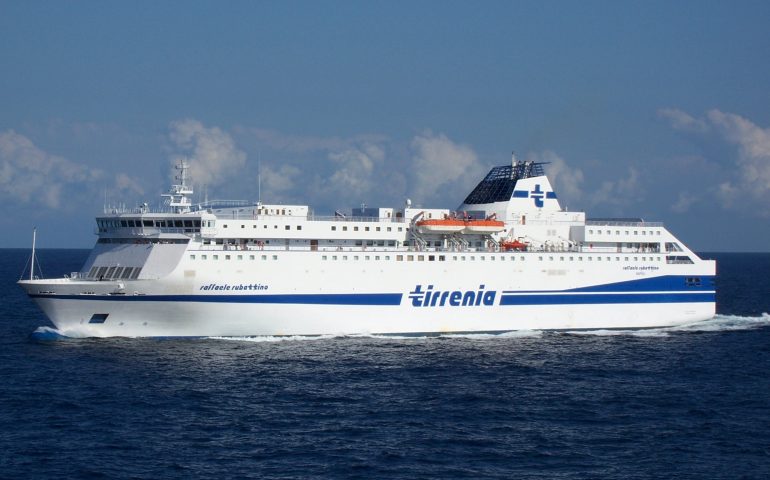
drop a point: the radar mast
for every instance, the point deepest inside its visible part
(178, 195)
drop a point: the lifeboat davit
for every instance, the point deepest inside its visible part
(446, 225)
(484, 226)
(514, 245)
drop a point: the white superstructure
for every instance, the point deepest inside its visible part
(508, 258)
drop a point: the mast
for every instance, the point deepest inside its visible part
(178, 198)
(32, 268)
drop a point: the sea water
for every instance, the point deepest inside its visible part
(685, 402)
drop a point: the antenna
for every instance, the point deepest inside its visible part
(259, 178)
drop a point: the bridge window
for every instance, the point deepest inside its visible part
(681, 259)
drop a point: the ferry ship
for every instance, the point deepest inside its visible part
(509, 257)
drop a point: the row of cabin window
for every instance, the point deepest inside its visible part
(254, 241)
(333, 227)
(617, 232)
(366, 229)
(285, 227)
(432, 258)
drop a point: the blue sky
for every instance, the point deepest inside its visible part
(658, 110)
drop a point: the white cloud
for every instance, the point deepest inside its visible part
(278, 180)
(752, 175)
(29, 174)
(211, 153)
(286, 142)
(567, 181)
(355, 169)
(619, 192)
(682, 120)
(439, 163)
(126, 183)
(684, 202)
(753, 155)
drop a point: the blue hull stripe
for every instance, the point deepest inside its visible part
(665, 283)
(307, 299)
(607, 298)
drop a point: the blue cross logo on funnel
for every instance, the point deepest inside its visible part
(538, 195)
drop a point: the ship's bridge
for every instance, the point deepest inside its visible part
(153, 224)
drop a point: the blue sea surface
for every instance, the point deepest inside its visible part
(690, 402)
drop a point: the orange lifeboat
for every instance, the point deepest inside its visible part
(484, 226)
(446, 225)
(514, 245)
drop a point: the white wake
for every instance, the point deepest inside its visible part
(719, 323)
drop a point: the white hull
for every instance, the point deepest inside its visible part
(150, 319)
(521, 292)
